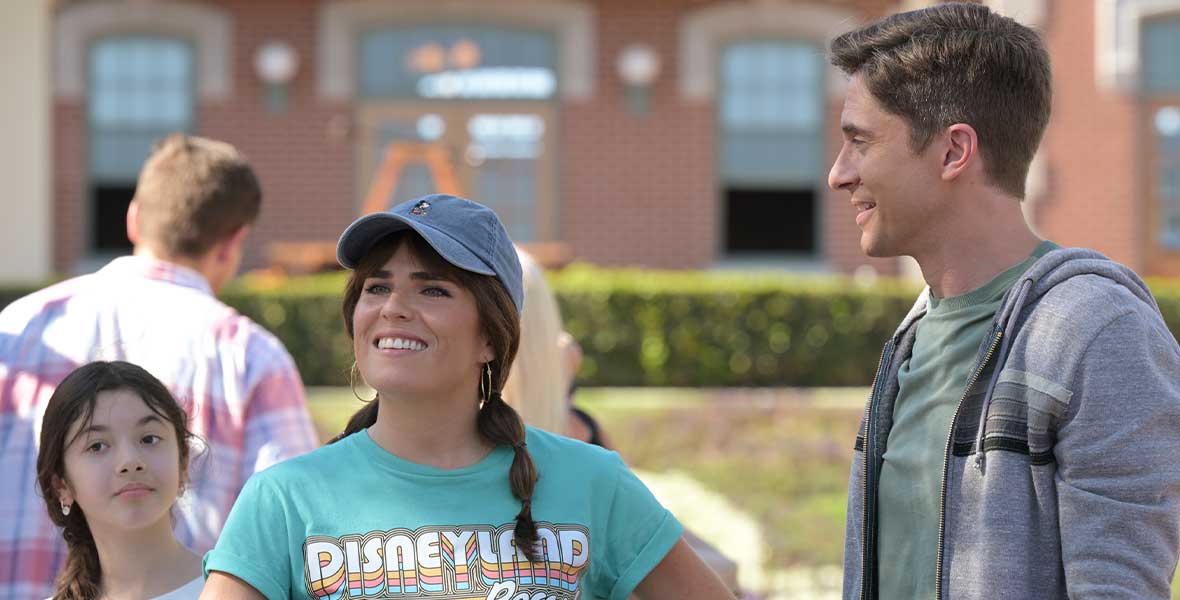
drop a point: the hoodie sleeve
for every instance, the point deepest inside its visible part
(1118, 456)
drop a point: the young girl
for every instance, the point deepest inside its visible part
(436, 489)
(113, 457)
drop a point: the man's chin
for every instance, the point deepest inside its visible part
(874, 248)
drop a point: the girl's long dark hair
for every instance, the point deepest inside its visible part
(498, 422)
(74, 400)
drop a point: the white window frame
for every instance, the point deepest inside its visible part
(208, 29)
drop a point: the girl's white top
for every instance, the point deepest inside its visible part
(188, 591)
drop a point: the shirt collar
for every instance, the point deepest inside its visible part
(159, 270)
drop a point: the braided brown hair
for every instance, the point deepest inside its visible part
(498, 423)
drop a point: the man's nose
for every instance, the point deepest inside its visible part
(842, 175)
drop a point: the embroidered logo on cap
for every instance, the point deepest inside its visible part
(421, 208)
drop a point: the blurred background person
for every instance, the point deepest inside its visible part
(538, 382)
(194, 205)
(580, 424)
(541, 386)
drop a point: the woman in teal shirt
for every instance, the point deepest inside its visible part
(436, 489)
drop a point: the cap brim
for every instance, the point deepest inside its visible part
(358, 239)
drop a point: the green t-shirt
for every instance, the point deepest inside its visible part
(931, 383)
(352, 520)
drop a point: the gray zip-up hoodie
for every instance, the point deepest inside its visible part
(1076, 493)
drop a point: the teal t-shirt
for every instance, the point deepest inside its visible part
(352, 520)
(931, 383)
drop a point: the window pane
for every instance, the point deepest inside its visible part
(1161, 46)
(119, 154)
(771, 84)
(770, 147)
(508, 187)
(1167, 130)
(458, 62)
(504, 151)
(770, 157)
(771, 106)
(141, 89)
(415, 178)
(141, 82)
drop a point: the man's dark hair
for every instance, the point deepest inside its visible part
(193, 193)
(958, 63)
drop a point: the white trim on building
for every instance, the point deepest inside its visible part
(25, 253)
(1116, 39)
(209, 29)
(704, 31)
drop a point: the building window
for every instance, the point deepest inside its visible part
(140, 90)
(771, 150)
(458, 63)
(1167, 184)
(1161, 81)
(462, 109)
(1161, 46)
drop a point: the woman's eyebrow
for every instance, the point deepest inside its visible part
(427, 276)
(416, 276)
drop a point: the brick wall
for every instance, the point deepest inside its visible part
(1094, 196)
(633, 190)
(644, 189)
(306, 174)
(69, 219)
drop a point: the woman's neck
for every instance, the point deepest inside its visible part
(143, 563)
(430, 430)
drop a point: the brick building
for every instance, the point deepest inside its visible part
(664, 133)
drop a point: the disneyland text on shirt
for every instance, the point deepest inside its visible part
(467, 562)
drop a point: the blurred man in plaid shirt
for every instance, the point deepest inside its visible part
(194, 204)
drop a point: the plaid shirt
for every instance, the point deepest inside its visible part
(236, 380)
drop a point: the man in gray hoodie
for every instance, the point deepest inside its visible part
(1022, 436)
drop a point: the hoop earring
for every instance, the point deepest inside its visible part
(352, 377)
(485, 383)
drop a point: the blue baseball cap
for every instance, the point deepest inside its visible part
(466, 234)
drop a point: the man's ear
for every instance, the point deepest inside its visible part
(133, 222)
(961, 150)
(232, 245)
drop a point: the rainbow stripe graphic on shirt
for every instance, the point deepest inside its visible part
(475, 562)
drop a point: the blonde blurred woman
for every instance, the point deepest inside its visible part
(542, 401)
(539, 386)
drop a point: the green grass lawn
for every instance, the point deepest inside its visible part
(779, 456)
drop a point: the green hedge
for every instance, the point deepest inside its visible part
(644, 327)
(717, 329)
(657, 328)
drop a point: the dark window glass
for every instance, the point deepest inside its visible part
(140, 90)
(771, 146)
(458, 62)
(770, 220)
